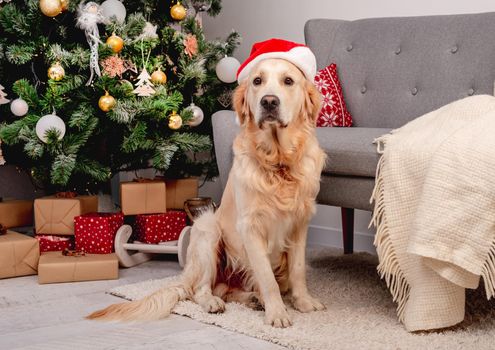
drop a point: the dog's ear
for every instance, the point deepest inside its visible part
(241, 106)
(312, 103)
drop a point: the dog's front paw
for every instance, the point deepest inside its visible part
(307, 304)
(213, 304)
(278, 318)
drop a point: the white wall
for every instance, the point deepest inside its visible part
(258, 20)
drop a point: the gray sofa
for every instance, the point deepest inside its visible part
(392, 70)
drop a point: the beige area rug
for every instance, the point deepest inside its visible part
(360, 313)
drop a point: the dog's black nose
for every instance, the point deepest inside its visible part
(270, 102)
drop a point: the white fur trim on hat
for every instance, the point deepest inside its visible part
(301, 56)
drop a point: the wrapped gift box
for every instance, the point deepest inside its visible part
(56, 215)
(95, 232)
(178, 191)
(143, 197)
(51, 243)
(54, 267)
(156, 228)
(19, 255)
(15, 213)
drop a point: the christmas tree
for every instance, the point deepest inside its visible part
(98, 111)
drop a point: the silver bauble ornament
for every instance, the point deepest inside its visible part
(197, 113)
(50, 122)
(19, 107)
(226, 69)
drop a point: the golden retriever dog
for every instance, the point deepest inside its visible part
(252, 249)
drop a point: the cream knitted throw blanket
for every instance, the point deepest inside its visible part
(435, 211)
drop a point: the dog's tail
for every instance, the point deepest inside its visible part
(200, 269)
(153, 307)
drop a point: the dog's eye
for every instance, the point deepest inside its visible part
(288, 81)
(257, 81)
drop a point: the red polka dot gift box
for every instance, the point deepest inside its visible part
(51, 243)
(95, 232)
(156, 228)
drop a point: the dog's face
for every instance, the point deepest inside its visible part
(276, 93)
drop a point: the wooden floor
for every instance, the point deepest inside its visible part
(50, 316)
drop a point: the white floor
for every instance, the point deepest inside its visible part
(50, 316)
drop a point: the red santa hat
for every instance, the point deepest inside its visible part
(298, 54)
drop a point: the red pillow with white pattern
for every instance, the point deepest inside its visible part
(333, 109)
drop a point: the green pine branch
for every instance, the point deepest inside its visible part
(163, 155)
(74, 141)
(124, 111)
(77, 57)
(62, 169)
(11, 133)
(93, 169)
(25, 90)
(33, 147)
(137, 139)
(190, 142)
(80, 117)
(193, 70)
(13, 21)
(54, 96)
(20, 54)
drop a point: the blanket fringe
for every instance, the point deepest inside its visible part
(388, 268)
(488, 273)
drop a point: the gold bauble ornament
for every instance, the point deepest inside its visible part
(106, 102)
(178, 12)
(158, 77)
(51, 8)
(64, 4)
(56, 72)
(115, 42)
(174, 121)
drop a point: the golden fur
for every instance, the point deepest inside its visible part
(252, 248)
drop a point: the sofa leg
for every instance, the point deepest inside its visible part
(348, 229)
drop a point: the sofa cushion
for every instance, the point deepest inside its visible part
(333, 109)
(350, 151)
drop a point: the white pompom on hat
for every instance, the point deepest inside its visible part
(298, 54)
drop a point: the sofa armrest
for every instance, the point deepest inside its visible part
(225, 129)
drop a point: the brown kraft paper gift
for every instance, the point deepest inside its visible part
(15, 213)
(55, 267)
(56, 215)
(19, 255)
(178, 191)
(148, 197)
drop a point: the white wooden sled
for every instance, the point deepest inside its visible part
(132, 254)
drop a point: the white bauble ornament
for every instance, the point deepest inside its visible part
(19, 107)
(113, 8)
(198, 115)
(49, 122)
(226, 69)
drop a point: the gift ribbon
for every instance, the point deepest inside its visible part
(145, 180)
(75, 253)
(67, 194)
